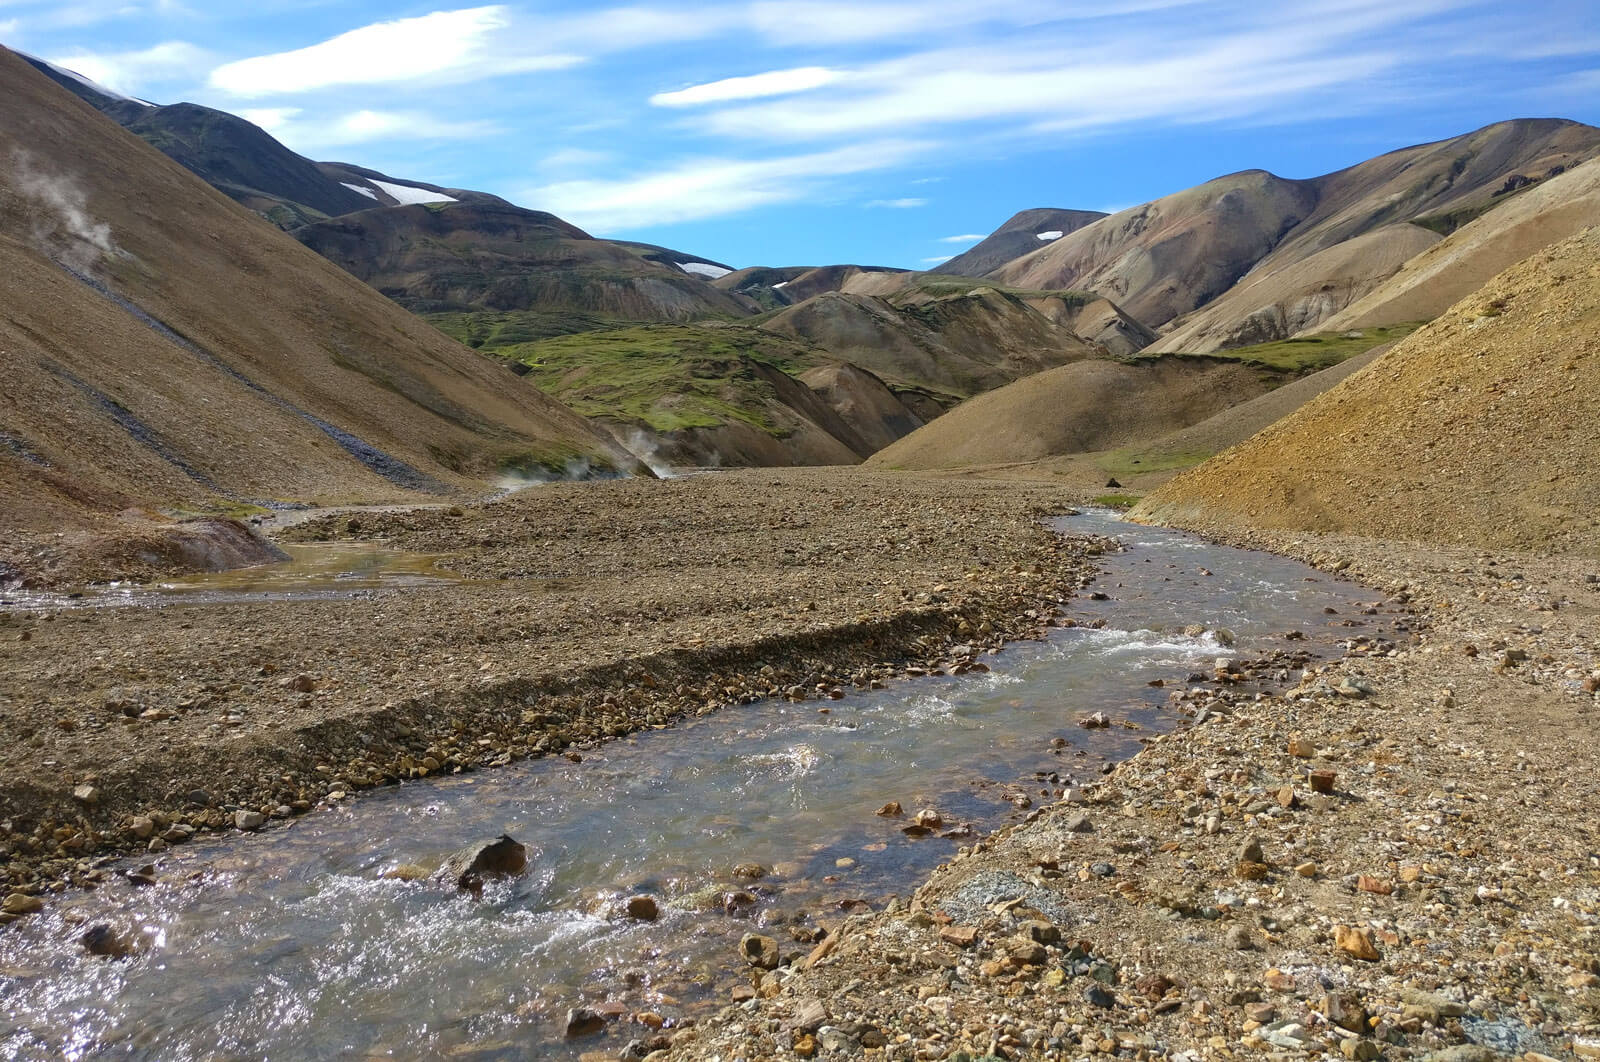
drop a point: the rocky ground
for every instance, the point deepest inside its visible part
(1400, 858)
(584, 611)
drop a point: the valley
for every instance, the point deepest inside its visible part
(1160, 632)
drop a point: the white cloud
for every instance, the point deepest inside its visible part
(444, 45)
(132, 71)
(772, 83)
(937, 260)
(270, 118)
(970, 238)
(710, 187)
(897, 204)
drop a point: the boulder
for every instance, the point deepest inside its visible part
(469, 868)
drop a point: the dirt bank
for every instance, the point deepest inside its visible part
(1441, 901)
(585, 610)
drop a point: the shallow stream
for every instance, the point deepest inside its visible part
(290, 944)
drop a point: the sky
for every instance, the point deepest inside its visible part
(789, 132)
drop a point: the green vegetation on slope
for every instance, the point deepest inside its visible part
(668, 377)
(1305, 354)
(493, 331)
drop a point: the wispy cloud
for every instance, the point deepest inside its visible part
(936, 260)
(896, 204)
(444, 45)
(135, 71)
(711, 187)
(756, 86)
(969, 238)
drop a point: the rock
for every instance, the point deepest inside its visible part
(469, 868)
(105, 942)
(406, 872)
(1250, 852)
(643, 908)
(1040, 931)
(249, 820)
(1322, 781)
(1431, 1008)
(1278, 981)
(805, 1045)
(20, 903)
(1307, 870)
(1346, 1011)
(1376, 886)
(1286, 797)
(1260, 1012)
(808, 1016)
(929, 819)
(759, 951)
(583, 1021)
(1097, 995)
(87, 795)
(142, 827)
(1300, 748)
(1079, 824)
(1355, 942)
(889, 810)
(1153, 986)
(1464, 1053)
(1096, 721)
(750, 871)
(1360, 1048)
(300, 684)
(960, 936)
(1240, 938)
(145, 875)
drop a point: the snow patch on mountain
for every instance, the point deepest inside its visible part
(409, 195)
(363, 189)
(704, 269)
(1053, 234)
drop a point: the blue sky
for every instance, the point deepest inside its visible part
(808, 131)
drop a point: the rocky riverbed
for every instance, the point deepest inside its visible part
(584, 611)
(1400, 858)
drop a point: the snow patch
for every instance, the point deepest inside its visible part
(781, 284)
(93, 86)
(363, 189)
(410, 195)
(704, 269)
(1053, 234)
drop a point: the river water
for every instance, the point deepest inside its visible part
(290, 943)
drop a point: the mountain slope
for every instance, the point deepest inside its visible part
(163, 348)
(1478, 428)
(1081, 408)
(1470, 256)
(1170, 257)
(1023, 233)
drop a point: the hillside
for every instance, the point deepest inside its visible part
(1477, 429)
(163, 349)
(460, 257)
(1534, 218)
(1280, 238)
(1023, 233)
(1086, 407)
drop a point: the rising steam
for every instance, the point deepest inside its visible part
(55, 209)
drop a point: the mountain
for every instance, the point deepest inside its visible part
(1538, 216)
(773, 288)
(466, 256)
(1263, 254)
(1022, 234)
(1478, 428)
(164, 350)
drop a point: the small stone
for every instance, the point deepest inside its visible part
(929, 819)
(1278, 981)
(1307, 870)
(105, 942)
(805, 1045)
(1240, 939)
(1286, 797)
(87, 795)
(20, 903)
(1410, 874)
(1096, 721)
(1250, 852)
(1322, 781)
(1346, 1011)
(890, 809)
(248, 820)
(1041, 932)
(643, 908)
(406, 872)
(1098, 996)
(1360, 1048)
(1260, 1012)
(960, 936)
(759, 951)
(1300, 748)
(1079, 824)
(584, 1021)
(1355, 942)
(750, 871)
(142, 827)
(1376, 886)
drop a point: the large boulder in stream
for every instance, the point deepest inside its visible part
(469, 868)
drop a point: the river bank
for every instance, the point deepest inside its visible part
(582, 611)
(1442, 900)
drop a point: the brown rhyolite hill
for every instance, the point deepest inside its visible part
(1168, 258)
(198, 359)
(1023, 233)
(1477, 429)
